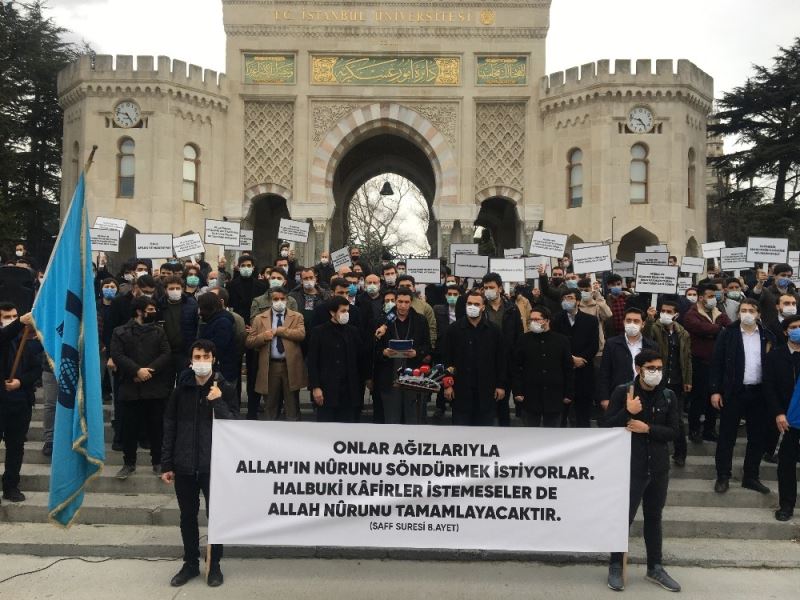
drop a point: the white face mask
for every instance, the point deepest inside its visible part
(246, 271)
(279, 306)
(748, 318)
(692, 299)
(212, 283)
(473, 312)
(711, 303)
(19, 253)
(201, 369)
(128, 277)
(789, 311)
(275, 283)
(391, 279)
(324, 261)
(652, 379)
(632, 330)
(536, 327)
(284, 253)
(666, 318)
(490, 294)
(344, 318)
(309, 284)
(174, 295)
(140, 273)
(372, 289)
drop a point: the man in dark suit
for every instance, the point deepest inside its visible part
(583, 332)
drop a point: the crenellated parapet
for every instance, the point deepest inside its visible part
(106, 75)
(595, 81)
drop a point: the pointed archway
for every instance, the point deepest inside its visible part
(635, 241)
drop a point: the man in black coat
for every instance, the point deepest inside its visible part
(337, 365)
(141, 352)
(543, 372)
(583, 332)
(475, 352)
(201, 396)
(646, 408)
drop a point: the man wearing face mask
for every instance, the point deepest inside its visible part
(767, 296)
(592, 303)
(732, 296)
(736, 391)
(704, 322)
(474, 350)
(674, 344)
(217, 325)
(200, 396)
(179, 312)
(291, 263)
(357, 258)
(142, 356)
(617, 300)
(390, 276)
(646, 408)
(276, 278)
(308, 296)
(446, 314)
(786, 307)
(324, 269)
(420, 306)
(688, 301)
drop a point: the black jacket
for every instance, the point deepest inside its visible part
(727, 364)
(781, 372)
(442, 314)
(385, 367)
(242, 290)
(337, 363)
(584, 335)
(220, 329)
(649, 451)
(135, 346)
(542, 371)
(186, 447)
(617, 365)
(29, 370)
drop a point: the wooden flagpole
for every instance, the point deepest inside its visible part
(18, 357)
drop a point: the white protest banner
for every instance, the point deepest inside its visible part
(532, 266)
(222, 233)
(586, 245)
(513, 252)
(104, 240)
(293, 231)
(734, 259)
(424, 270)
(594, 259)
(340, 257)
(153, 245)
(512, 270)
(712, 249)
(684, 283)
(245, 241)
(109, 223)
(471, 265)
(188, 244)
(693, 264)
(323, 484)
(767, 250)
(548, 244)
(651, 258)
(656, 279)
(462, 249)
(794, 260)
(623, 268)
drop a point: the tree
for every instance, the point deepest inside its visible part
(381, 224)
(32, 52)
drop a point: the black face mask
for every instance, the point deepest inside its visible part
(150, 318)
(557, 280)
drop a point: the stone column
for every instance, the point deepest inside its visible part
(445, 232)
(530, 227)
(320, 227)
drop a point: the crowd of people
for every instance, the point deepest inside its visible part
(186, 342)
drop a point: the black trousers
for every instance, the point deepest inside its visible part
(503, 411)
(749, 403)
(578, 413)
(538, 419)
(137, 414)
(467, 411)
(680, 440)
(188, 489)
(788, 455)
(15, 418)
(700, 399)
(253, 398)
(651, 493)
(377, 407)
(337, 414)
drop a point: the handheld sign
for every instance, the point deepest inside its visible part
(105, 240)
(471, 265)
(424, 270)
(794, 260)
(548, 244)
(109, 223)
(188, 245)
(245, 241)
(593, 259)
(734, 259)
(656, 279)
(513, 253)
(293, 231)
(712, 249)
(651, 258)
(623, 268)
(656, 248)
(693, 264)
(222, 233)
(462, 249)
(767, 250)
(512, 270)
(340, 257)
(684, 283)
(580, 245)
(532, 264)
(153, 245)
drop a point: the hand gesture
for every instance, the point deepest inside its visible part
(634, 405)
(636, 426)
(269, 334)
(12, 385)
(651, 313)
(144, 374)
(214, 393)
(716, 401)
(26, 319)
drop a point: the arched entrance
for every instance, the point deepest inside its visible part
(692, 247)
(499, 216)
(266, 211)
(635, 241)
(127, 249)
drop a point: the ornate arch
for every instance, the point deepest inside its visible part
(262, 189)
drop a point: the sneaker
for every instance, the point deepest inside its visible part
(188, 571)
(47, 449)
(13, 495)
(721, 486)
(125, 472)
(157, 470)
(659, 576)
(784, 514)
(214, 578)
(756, 486)
(615, 578)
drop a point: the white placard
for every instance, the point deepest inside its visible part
(153, 245)
(794, 260)
(548, 244)
(734, 259)
(656, 248)
(462, 249)
(187, 245)
(693, 264)
(593, 259)
(222, 233)
(684, 283)
(245, 241)
(424, 270)
(513, 253)
(623, 268)
(712, 249)
(656, 279)
(340, 258)
(512, 270)
(293, 231)
(532, 266)
(109, 223)
(651, 258)
(289, 484)
(767, 250)
(586, 245)
(471, 265)
(105, 240)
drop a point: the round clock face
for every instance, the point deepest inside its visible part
(640, 120)
(127, 114)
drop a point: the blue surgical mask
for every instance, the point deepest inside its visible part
(192, 281)
(387, 308)
(451, 300)
(615, 290)
(794, 336)
(718, 296)
(572, 284)
(568, 305)
(783, 282)
(352, 290)
(109, 293)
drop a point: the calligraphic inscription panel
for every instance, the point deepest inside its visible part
(502, 70)
(270, 69)
(386, 70)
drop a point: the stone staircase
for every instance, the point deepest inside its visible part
(139, 517)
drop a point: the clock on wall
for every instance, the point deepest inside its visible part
(127, 114)
(640, 119)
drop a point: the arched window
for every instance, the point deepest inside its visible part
(690, 178)
(126, 168)
(190, 167)
(638, 174)
(575, 179)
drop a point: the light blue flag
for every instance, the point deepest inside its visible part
(65, 317)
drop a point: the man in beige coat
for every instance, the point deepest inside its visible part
(592, 303)
(276, 334)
